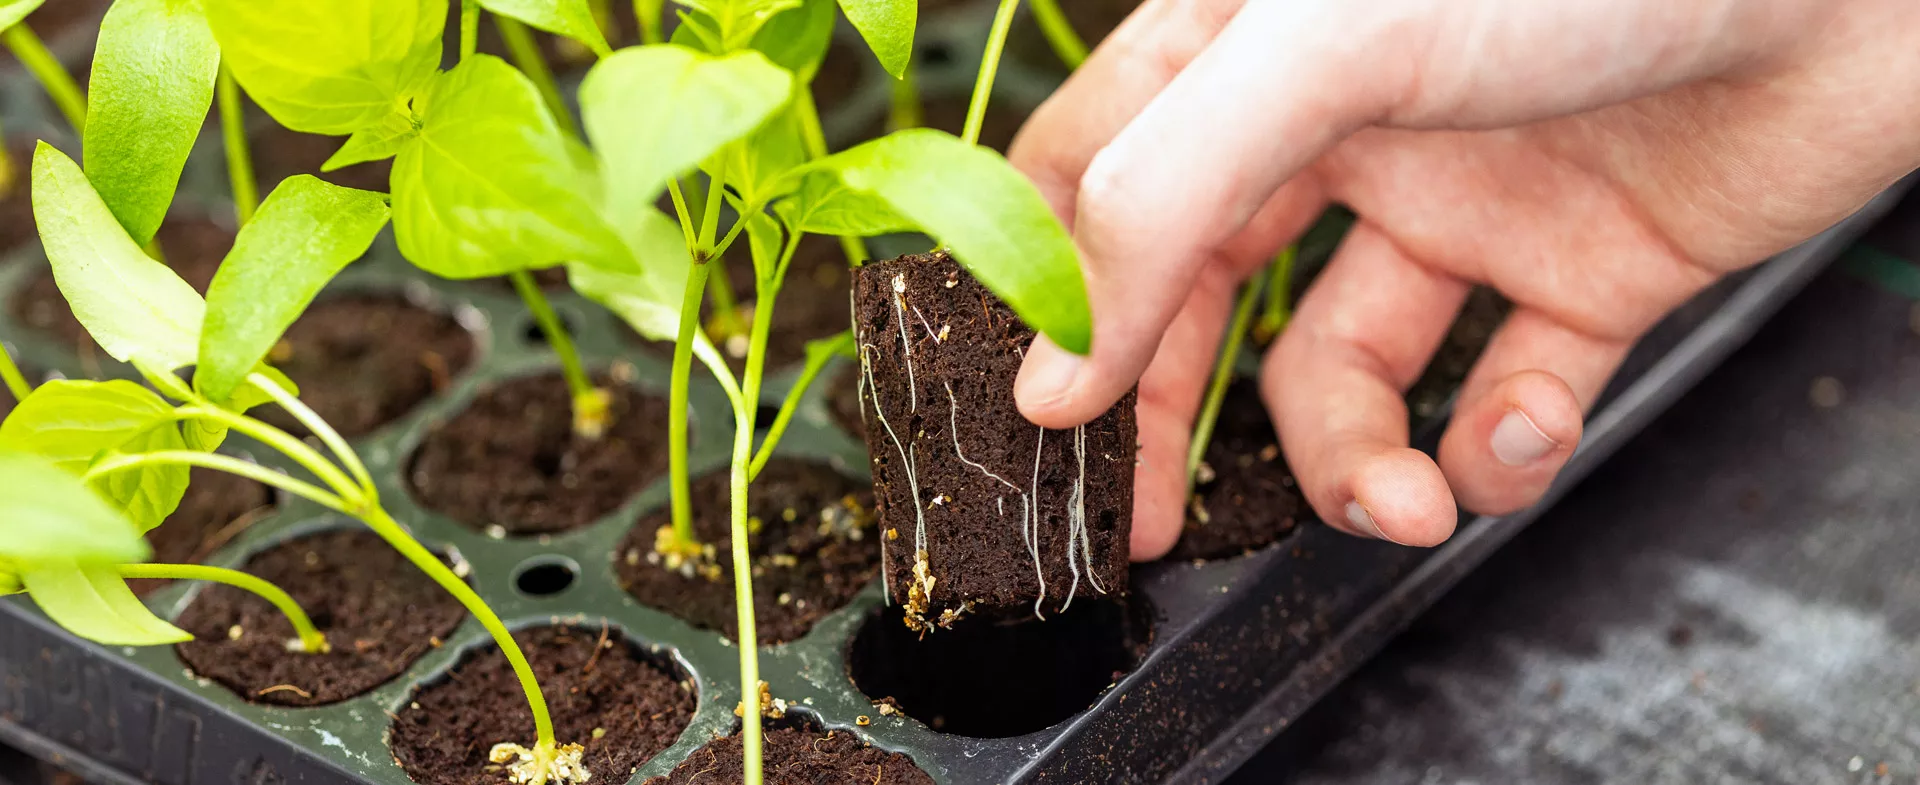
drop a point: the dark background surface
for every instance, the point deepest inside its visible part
(1734, 598)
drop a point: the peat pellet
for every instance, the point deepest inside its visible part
(378, 611)
(510, 463)
(603, 693)
(798, 756)
(812, 541)
(1244, 498)
(978, 507)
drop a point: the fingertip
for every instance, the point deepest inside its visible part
(1503, 450)
(1400, 496)
(1043, 389)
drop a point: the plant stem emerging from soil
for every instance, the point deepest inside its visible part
(1278, 310)
(46, 68)
(590, 403)
(683, 543)
(310, 642)
(526, 54)
(233, 132)
(10, 373)
(1222, 374)
(989, 68)
(1066, 43)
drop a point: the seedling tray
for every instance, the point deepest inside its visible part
(1239, 646)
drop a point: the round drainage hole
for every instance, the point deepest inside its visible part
(544, 579)
(997, 678)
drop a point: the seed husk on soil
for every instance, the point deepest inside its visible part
(978, 507)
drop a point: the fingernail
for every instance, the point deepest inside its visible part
(1048, 374)
(1362, 521)
(1517, 441)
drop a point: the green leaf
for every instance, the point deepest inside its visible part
(571, 18)
(888, 27)
(93, 602)
(373, 143)
(330, 67)
(12, 11)
(996, 222)
(133, 306)
(52, 515)
(729, 25)
(648, 300)
(71, 423)
(764, 243)
(797, 39)
(306, 232)
(825, 205)
(654, 112)
(758, 168)
(147, 97)
(490, 187)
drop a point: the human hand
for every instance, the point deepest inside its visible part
(1597, 162)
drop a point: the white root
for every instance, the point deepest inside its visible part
(1077, 521)
(1039, 442)
(906, 456)
(1028, 509)
(906, 344)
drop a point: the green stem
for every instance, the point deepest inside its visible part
(989, 68)
(677, 402)
(218, 462)
(817, 360)
(283, 442)
(1279, 305)
(469, 28)
(602, 14)
(648, 13)
(311, 641)
(319, 428)
(383, 524)
(743, 593)
(687, 227)
(1066, 43)
(33, 54)
(233, 131)
(1222, 374)
(710, 222)
(765, 293)
(907, 111)
(526, 54)
(590, 415)
(815, 139)
(10, 373)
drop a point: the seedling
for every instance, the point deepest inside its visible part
(1276, 283)
(72, 551)
(1059, 32)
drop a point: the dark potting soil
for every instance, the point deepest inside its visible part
(280, 153)
(363, 361)
(843, 401)
(1245, 498)
(193, 247)
(955, 465)
(815, 549)
(797, 756)
(378, 611)
(602, 693)
(1000, 676)
(216, 508)
(1479, 318)
(812, 304)
(511, 459)
(841, 75)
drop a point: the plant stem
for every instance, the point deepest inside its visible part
(817, 360)
(311, 641)
(710, 222)
(906, 102)
(677, 401)
(469, 28)
(648, 13)
(1279, 307)
(284, 442)
(1222, 374)
(383, 524)
(602, 14)
(743, 593)
(33, 54)
(319, 428)
(218, 462)
(1066, 43)
(10, 373)
(233, 131)
(590, 415)
(526, 54)
(816, 141)
(989, 67)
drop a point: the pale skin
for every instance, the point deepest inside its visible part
(1597, 161)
